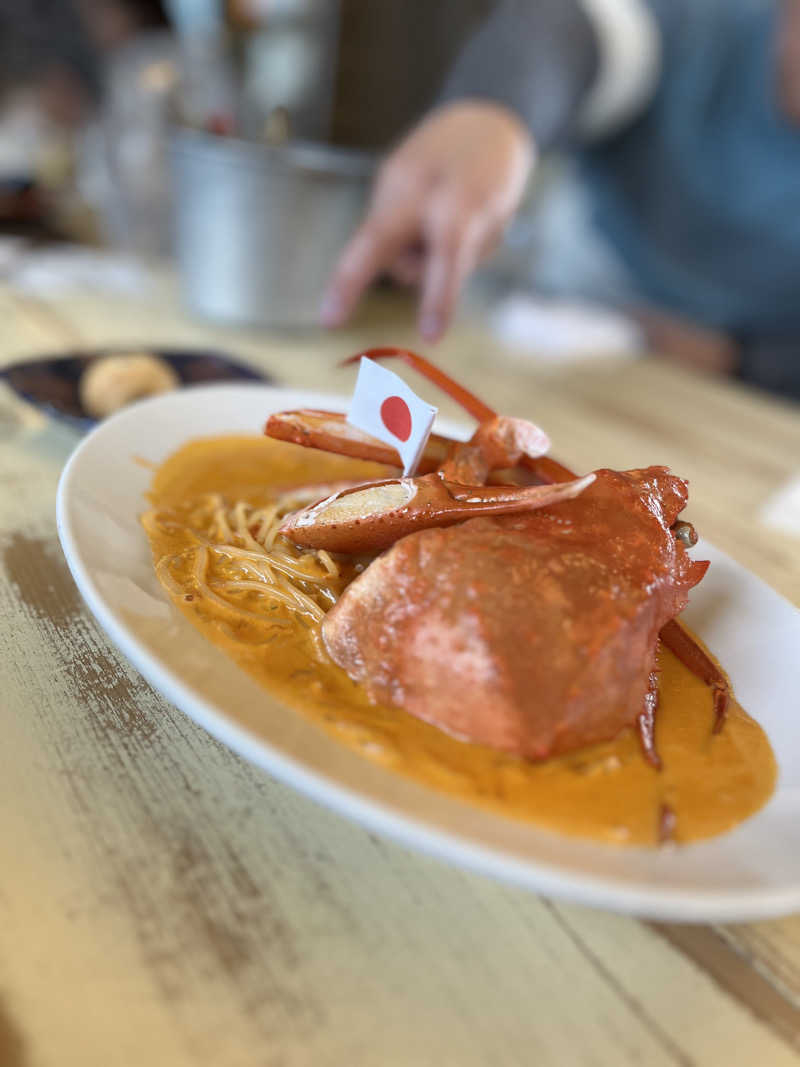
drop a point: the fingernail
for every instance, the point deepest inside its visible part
(430, 326)
(331, 310)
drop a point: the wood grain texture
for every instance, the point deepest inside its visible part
(738, 975)
(162, 902)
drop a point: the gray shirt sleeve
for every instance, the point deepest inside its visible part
(537, 57)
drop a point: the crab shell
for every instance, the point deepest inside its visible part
(534, 634)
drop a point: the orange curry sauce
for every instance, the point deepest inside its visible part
(605, 792)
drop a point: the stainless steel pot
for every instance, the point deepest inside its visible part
(259, 228)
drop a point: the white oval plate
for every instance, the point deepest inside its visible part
(752, 872)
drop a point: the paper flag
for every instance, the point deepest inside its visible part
(384, 407)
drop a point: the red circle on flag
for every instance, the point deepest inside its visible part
(396, 417)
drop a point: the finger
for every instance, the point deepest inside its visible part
(366, 253)
(456, 242)
(491, 242)
(389, 227)
(408, 267)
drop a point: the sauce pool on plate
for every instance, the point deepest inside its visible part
(606, 792)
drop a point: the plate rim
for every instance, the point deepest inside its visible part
(619, 895)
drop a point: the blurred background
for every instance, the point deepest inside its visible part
(237, 140)
(238, 136)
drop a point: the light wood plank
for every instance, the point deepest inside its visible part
(758, 987)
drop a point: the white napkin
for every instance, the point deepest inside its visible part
(561, 331)
(11, 251)
(64, 268)
(781, 511)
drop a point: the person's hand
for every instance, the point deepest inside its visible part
(440, 204)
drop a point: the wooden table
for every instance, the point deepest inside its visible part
(164, 903)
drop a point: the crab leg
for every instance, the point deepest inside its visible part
(543, 467)
(372, 517)
(467, 400)
(330, 432)
(691, 655)
(646, 722)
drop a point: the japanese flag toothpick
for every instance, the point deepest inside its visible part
(384, 407)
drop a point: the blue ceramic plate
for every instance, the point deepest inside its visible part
(51, 384)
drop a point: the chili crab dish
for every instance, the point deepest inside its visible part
(494, 627)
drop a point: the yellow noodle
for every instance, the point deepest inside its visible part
(221, 526)
(260, 570)
(166, 579)
(200, 566)
(311, 607)
(269, 539)
(155, 522)
(231, 562)
(241, 524)
(266, 520)
(207, 592)
(287, 598)
(327, 561)
(278, 559)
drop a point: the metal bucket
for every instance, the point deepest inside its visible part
(259, 228)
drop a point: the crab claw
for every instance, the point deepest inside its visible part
(500, 442)
(372, 517)
(329, 431)
(506, 439)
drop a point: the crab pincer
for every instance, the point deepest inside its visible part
(371, 517)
